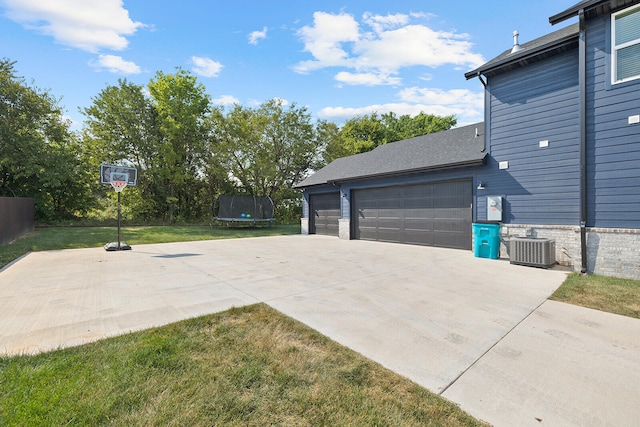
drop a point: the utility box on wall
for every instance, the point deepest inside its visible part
(494, 208)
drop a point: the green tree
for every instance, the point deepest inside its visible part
(121, 127)
(266, 150)
(330, 147)
(165, 135)
(406, 126)
(183, 108)
(39, 156)
(362, 134)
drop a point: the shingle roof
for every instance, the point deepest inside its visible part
(558, 41)
(456, 147)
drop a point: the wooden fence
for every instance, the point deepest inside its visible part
(16, 217)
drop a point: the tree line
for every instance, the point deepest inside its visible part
(187, 150)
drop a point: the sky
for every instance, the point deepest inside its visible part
(339, 59)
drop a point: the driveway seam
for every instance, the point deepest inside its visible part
(455, 380)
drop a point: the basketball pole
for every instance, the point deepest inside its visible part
(119, 245)
(118, 177)
(119, 220)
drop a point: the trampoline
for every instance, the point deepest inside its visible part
(241, 210)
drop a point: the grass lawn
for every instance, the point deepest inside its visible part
(250, 366)
(611, 294)
(52, 238)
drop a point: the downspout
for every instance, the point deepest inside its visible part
(484, 84)
(474, 204)
(486, 122)
(582, 50)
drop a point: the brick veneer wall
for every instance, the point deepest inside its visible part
(610, 251)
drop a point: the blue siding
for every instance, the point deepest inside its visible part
(540, 101)
(537, 102)
(613, 146)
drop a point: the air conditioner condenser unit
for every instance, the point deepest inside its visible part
(533, 252)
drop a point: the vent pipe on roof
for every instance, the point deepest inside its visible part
(516, 46)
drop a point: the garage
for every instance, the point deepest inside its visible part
(417, 191)
(324, 212)
(433, 214)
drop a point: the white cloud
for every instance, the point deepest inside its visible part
(89, 25)
(379, 22)
(367, 79)
(255, 36)
(206, 67)
(115, 64)
(325, 40)
(226, 100)
(445, 97)
(381, 45)
(466, 105)
(414, 45)
(281, 101)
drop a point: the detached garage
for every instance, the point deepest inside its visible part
(417, 191)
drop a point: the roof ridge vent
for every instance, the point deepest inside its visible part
(516, 46)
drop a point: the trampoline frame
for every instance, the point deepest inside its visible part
(253, 220)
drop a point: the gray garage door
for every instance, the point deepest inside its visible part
(324, 212)
(437, 214)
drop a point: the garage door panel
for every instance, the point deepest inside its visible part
(390, 204)
(436, 214)
(420, 214)
(389, 213)
(417, 224)
(419, 237)
(417, 191)
(387, 235)
(369, 234)
(449, 226)
(389, 223)
(449, 214)
(325, 213)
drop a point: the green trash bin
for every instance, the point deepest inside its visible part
(486, 240)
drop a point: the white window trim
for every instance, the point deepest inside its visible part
(614, 48)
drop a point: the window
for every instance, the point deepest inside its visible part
(626, 44)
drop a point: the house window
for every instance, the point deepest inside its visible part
(626, 44)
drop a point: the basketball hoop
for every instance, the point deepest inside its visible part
(118, 185)
(118, 177)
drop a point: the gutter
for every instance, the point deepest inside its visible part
(525, 54)
(574, 11)
(463, 164)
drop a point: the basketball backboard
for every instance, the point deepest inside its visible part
(110, 173)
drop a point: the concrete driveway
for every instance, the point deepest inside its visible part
(480, 332)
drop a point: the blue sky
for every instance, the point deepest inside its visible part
(340, 59)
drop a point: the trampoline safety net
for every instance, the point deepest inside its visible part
(248, 208)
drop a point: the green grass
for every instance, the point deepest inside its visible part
(245, 367)
(53, 238)
(611, 294)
